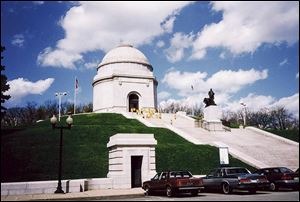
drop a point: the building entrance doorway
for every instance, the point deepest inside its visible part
(133, 102)
(136, 171)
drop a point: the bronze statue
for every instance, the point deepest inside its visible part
(210, 101)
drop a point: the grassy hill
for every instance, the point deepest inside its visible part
(32, 153)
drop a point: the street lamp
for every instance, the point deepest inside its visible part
(53, 121)
(59, 95)
(244, 114)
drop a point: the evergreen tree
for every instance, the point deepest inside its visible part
(4, 86)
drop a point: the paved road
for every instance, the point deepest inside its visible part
(237, 196)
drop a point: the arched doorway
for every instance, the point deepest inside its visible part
(133, 100)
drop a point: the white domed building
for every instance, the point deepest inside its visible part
(124, 81)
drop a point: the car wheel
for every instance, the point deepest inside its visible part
(147, 191)
(252, 191)
(169, 191)
(226, 188)
(194, 192)
(273, 187)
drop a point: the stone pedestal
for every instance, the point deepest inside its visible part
(212, 118)
(123, 149)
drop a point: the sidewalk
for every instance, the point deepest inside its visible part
(93, 194)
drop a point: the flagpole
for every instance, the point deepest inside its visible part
(75, 96)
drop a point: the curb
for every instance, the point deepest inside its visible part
(94, 197)
(84, 197)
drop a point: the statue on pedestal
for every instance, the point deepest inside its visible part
(210, 101)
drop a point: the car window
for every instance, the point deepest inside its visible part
(218, 173)
(186, 174)
(175, 174)
(286, 170)
(156, 176)
(163, 176)
(212, 172)
(237, 171)
(276, 170)
(180, 174)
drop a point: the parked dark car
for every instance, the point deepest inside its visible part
(173, 182)
(280, 177)
(228, 178)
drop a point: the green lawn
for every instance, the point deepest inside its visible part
(32, 153)
(289, 134)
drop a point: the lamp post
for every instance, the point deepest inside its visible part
(53, 121)
(244, 114)
(59, 95)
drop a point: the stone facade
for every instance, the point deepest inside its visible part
(122, 149)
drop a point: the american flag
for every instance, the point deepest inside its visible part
(76, 84)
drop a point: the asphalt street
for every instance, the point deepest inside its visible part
(236, 196)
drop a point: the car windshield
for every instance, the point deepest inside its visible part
(285, 170)
(237, 171)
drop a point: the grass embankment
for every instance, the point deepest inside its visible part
(32, 154)
(289, 134)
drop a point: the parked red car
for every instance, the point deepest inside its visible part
(280, 177)
(173, 182)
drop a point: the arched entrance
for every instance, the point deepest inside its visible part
(133, 100)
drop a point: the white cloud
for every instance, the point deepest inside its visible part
(285, 61)
(257, 102)
(223, 81)
(182, 81)
(229, 81)
(222, 55)
(92, 26)
(91, 65)
(297, 75)
(179, 43)
(21, 87)
(58, 58)
(290, 103)
(253, 103)
(160, 44)
(38, 2)
(245, 26)
(163, 95)
(18, 40)
(167, 25)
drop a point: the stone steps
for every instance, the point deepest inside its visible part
(248, 145)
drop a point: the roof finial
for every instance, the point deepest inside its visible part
(123, 43)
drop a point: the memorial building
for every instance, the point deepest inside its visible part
(124, 82)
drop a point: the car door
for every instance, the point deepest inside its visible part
(275, 174)
(161, 185)
(212, 179)
(155, 181)
(218, 178)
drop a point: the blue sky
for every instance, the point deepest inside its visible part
(246, 51)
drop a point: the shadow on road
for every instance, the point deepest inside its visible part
(236, 192)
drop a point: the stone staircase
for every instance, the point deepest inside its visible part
(250, 146)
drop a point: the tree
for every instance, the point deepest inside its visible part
(87, 108)
(4, 86)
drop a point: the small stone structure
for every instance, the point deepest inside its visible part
(212, 114)
(212, 118)
(131, 159)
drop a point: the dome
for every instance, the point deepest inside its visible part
(124, 54)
